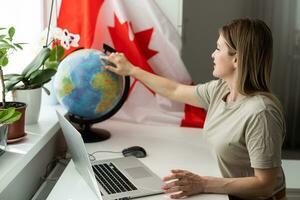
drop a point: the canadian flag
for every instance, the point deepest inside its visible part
(140, 30)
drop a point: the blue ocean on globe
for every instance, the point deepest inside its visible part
(84, 87)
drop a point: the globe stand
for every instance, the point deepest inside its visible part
(84, 125)
(88, 133)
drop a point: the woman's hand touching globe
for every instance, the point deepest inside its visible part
(121, 64)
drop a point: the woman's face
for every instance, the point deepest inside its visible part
(225, 65)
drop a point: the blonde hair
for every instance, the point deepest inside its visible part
(251, 40)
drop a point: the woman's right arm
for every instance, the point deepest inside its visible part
(164, 87)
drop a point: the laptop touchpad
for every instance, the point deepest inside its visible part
(138, 172)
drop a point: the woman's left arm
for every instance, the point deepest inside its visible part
(187, 184)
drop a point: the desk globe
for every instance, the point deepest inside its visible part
(89, 92)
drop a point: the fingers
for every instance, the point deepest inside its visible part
(110, 68)
(178, 171)
(179, 190)
(110, 61)
(176, 184)
(182, 183)
(113, 56)
(118, 63)
(104, 58)
(176, 174)
(114, 59)
(179, 195)
(172, 177)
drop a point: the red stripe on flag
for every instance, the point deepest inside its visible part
(80, 17)
(193, 117)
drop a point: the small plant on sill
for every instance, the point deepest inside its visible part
(44, 65)
(7, 47)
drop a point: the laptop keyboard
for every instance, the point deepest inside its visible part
(111, 179)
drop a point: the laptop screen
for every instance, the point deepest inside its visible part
(79, 154)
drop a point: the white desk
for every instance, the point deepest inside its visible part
(167, 147)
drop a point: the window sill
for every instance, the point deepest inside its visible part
(18, 155)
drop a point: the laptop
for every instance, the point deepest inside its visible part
(118, 178)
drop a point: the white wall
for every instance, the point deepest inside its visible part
(201, 20)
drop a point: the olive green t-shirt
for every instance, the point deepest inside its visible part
(245, 134)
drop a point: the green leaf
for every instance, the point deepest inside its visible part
(19, 46)
(51, 64)
(34, 74)
(9, 115)
(2, 28)
(3, 61)
(42, 76)
(15, 117)
(11, 76)
(2, 36)
(4, 41)
(6, 114)
(39, 84)
(56, 53)
(46, 90)
(37, 62)
(5, 46)
(10, 85)
(11, 32)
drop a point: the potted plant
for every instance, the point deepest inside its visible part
(8, 46)
(7, 116)
(27, 85)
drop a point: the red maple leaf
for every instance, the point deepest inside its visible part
(136, 50)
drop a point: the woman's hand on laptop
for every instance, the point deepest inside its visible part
(183, 183)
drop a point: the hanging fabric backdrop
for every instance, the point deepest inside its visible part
(142, 32)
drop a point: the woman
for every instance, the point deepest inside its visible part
(244, 122)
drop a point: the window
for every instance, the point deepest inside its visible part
(28, 19)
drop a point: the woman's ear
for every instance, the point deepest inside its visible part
(235, 61)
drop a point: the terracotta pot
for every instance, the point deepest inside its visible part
(16, 130)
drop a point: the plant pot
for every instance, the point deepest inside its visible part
(16, 130)
(32, 97)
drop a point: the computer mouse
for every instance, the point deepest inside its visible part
(136, 151)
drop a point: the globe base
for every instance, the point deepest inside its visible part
(91, 135)
(88, 133)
